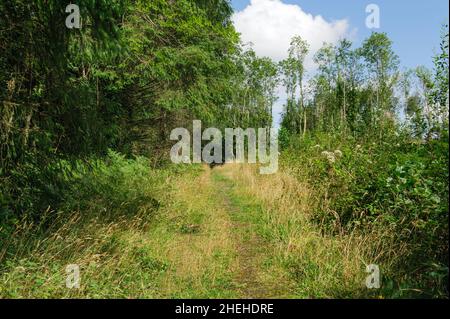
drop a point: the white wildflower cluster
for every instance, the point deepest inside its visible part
(332, 156)
(329, 156)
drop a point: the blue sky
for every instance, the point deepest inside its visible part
(413, 25)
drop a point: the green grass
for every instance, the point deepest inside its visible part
(191, 232)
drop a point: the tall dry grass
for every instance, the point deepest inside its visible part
(322, 264)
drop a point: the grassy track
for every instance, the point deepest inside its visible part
(255, 275)
(214, 245)
(221, 233)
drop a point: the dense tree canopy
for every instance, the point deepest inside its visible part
(86, 115)
(135, 66)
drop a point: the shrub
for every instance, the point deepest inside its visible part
(392, 183)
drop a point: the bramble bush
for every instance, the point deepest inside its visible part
(394, 183)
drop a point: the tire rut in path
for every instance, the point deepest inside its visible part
(250, 248)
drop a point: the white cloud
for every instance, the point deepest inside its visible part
(271, 24)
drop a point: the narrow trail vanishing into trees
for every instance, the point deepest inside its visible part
(218, 249)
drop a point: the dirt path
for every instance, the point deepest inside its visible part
(253, 274)
(210, 238)
(247, 243)
(221, 233)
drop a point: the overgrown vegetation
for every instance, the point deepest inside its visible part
(133, 72)
(101, 201)
(369, 169)
(85, 120)
(136, 70)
